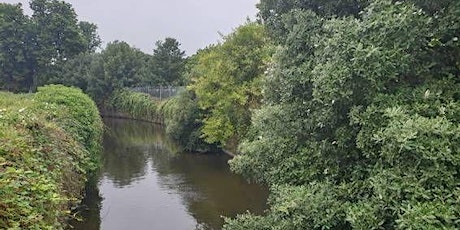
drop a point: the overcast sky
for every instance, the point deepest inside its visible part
(195, 23)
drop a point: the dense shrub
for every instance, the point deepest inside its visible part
(183, 121)
(226, 80)
(82, 120)
(359, 128)
(48, 143)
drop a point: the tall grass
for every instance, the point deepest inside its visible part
(136, 105)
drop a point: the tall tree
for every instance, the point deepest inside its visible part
(226, 79)
(167, 64)
(122, 65)
(58, 35)
(50, 37)
(13, 34)
(90, 35)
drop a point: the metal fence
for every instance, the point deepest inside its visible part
(160, 92)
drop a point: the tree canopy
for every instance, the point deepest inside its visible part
(34, 47)
(167, 64)
(226, 81)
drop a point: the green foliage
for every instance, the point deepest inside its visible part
(360, 121)
(13, 33)
(167, 64)
(226, 81)
(137, 105)
(183, 121)
(52, 47)
(82, 120)
(34, 48)
(116, 67)
(271, 12)
(47, 146)
(122, 65)
(180, 115)
(314, 206)
(89, 33)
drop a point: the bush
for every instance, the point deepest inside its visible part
(82, 119)
(367, 107)
(183, 121)
(48, 143)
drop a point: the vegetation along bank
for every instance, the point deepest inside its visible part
(349, 110)
(49, 142)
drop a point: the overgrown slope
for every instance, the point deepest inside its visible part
(49, 141)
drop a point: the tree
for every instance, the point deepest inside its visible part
(271, 12)
(99, 74)
(89, 32)
(122, 65)
(183, 120)
(226, 81)
(167, 64)
(58, 36)
(13, 34)
(37, 46)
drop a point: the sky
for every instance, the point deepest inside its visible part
(194, 23)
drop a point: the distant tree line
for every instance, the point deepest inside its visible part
(34, 47)
(52, 46)
(120, 66)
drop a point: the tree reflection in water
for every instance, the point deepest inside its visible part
(136, 153)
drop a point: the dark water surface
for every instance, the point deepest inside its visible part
(145, 183)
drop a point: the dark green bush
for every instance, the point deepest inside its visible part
(82, 119)
(360, 121)
(183, 121)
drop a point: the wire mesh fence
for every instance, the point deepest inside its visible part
(160, 92)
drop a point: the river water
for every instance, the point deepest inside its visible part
(147, 183)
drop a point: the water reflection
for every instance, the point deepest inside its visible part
(146, 184)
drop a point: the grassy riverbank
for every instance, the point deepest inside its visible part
(180, 115)
(134, 105)
(49, 141)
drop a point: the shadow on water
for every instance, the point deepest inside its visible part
(146, 183)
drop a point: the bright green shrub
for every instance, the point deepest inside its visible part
(313, 206)
(45, 154)
(82, 119)
(226, 81)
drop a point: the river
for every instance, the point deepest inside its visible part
(147, 183)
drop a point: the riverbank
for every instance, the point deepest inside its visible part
(105, 113)
(180, 116)
(49, 142)
(133, 105)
